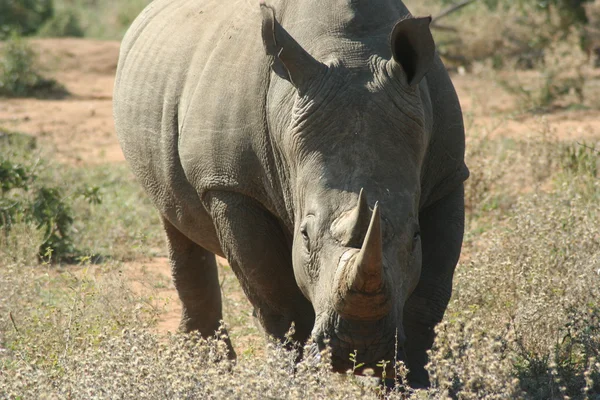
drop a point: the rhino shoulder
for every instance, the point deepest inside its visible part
(444, 168)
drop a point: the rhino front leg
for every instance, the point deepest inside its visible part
(259, 252)
(442, 228)
(195, 275)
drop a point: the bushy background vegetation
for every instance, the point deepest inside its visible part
(20, 74)
(107, 19)
(524, 320)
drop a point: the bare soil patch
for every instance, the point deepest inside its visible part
(153, 276)
(79, 128)
(489, 108)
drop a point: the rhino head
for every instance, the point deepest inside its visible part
(353, 150)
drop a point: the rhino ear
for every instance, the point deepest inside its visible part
(290, 61)
(413, 47)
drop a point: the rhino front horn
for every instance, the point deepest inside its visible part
(366, 276)
(360, 290)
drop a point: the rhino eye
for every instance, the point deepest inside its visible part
(304, 232)
(416, 237)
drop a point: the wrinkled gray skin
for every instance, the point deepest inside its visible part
(254, 130)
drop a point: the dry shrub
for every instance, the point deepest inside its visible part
(525, 310)
(560, 79)
(137, 363)
(525, 316)
(502, 169)
(486, 34)
(554, 59)
(512, 31)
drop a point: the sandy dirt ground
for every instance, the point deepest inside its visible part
(80, 129)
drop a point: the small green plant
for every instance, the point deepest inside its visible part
(383, 365)
(55, 217)
(19, 75)
(91, 194)
(12, 176)
(580, 158)
(353, 359)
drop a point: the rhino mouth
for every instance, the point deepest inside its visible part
(358, 347)
(367, 361)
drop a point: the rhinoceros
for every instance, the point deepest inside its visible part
(318, 146)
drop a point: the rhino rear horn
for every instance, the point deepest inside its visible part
(413, 47)
(290, 61)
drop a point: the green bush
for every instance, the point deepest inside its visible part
(23, 201)
(26, 199)
(64, 23)
(24, 16)
(19, 74)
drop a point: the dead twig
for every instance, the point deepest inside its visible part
(451, 10)
(445, 28)
(588, 147)
(13, 322)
